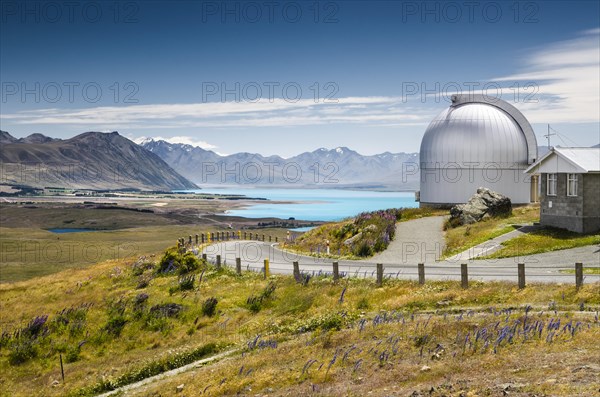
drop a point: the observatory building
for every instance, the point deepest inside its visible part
(478, 141)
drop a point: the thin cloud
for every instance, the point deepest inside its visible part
(278, 112)
(568, 76)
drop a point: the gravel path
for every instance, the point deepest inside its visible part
(424, 236)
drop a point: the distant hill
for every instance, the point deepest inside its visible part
(337, 168)
(92, 160)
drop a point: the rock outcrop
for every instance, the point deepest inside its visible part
(483, 204)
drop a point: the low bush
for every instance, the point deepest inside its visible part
(209, 307)
(177, 260)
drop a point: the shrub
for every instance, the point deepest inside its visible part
(187, 283)
(22, 351)
(166, 310)
(139, 304)
(115, 326)
(73, 354)
(189, 263)
(255, 303)
(209, 307)
(72, 318)
(363, 250)
(140, 267)
(175, 260)
(169, 261)
(36, 327)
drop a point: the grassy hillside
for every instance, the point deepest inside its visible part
(463, 237)
(122, 320)
(545, 240)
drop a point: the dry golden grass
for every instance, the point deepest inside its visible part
(316, 307)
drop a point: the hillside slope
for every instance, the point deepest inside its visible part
(92, 160)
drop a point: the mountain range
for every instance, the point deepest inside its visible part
(109, 161)
(323, 168)
(92, 160)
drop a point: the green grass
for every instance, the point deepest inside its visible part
(462, 238)
(586, 270)
(123, 339)
(545, 240)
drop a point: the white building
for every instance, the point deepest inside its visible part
(477, 142)
(570, 188)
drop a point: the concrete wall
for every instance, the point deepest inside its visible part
(579, 214)
(591, 203)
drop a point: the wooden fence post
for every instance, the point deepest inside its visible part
(238, 266)
(421, 273)
(202, 238)
(270, 237)
(521, 270)
(197, 239)
(62, 370)
(266, 268)
(379, 274)
(218, 261)
(276, 239)
(578, 275)
(464, 276)
(336, 272)
(296, 271)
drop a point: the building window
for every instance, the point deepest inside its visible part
(572, 185)
(551, 188)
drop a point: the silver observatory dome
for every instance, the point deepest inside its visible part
(476, 142)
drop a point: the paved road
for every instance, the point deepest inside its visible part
(425, 234)
(538, 268)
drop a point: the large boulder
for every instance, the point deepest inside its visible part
(483, 204)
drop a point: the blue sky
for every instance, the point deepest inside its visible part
(191, 71)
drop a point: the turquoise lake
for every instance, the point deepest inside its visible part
(316, 204)
(70, 230)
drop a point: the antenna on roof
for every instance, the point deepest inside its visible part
(548, 135)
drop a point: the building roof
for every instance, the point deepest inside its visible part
(510, 110)
(580, 160)
(473, 133)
